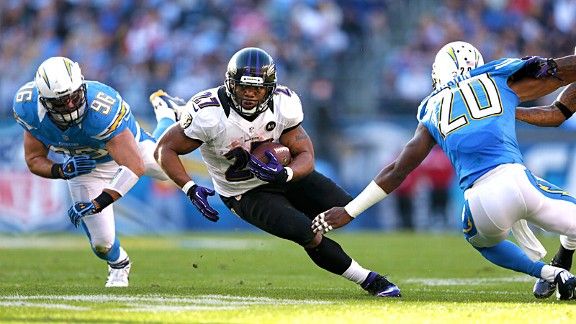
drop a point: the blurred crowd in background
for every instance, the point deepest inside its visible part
(346, 56)
(351, 61)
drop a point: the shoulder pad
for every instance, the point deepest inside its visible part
(204, 100)
(105, 111)
(502, 67)
(204, 116)
(25, 107)
(288, 105)
(422, 111)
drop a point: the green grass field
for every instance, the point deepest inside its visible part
(255, 278)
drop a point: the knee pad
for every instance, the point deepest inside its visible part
(108, 252)
(101, 249)
(316, 240)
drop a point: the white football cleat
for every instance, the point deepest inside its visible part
(118, 277)
(166, 106)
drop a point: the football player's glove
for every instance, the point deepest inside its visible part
(80, 210)
(539, 67)
(273, 171)
(199, 197)
(73, 167)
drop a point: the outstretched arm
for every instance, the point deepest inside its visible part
(552, 115)
(554, 74)
(413, 153)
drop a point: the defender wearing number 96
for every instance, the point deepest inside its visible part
(84, 132)
(227, 123)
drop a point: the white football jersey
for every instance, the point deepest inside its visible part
(210, 118)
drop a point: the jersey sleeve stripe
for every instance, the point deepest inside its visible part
(290, 128)
(22, 122)
(115, 123)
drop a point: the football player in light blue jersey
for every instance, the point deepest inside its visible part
(90, 128)
(471, 115)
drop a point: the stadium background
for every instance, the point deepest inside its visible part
(360, 68)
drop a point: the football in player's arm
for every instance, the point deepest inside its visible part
(103, 149)
(226, 123)
(471, 115)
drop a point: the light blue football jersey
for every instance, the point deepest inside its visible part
(106, 116)
(473, 119)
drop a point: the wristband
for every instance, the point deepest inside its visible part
(372, 194)
(102, 201)
(289, 172)
(123, 180)
(187, 186)
(563, 109)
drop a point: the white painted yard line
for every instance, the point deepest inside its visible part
(43, 305)
(152, 303)
(168, 308)
(207, 299)
(467, 281)
(469, 292)
(192, 243)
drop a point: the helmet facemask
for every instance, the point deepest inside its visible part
(68, 109)
(454, 59)
(250, 67)
(235, 90)
(62, 91)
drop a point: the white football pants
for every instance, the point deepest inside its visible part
(509, 193)
(87, 187)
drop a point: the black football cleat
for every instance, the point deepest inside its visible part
(566, 283)
(379, 286)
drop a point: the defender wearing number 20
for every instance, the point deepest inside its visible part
(471, 116)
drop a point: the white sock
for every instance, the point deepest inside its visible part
(549, 272)
(356, 273)
(567, 242)
(121, 257)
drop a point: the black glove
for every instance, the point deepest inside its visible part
(199, 197)
(273, 171)
(539, 67)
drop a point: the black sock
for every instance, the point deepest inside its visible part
(329, 256)
(563, 258)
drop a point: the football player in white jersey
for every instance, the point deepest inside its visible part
(470, 114)
(103, 149)
(227, 123)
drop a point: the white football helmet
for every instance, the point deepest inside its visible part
(61, 90)
(454, 59)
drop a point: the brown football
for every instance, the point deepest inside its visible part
(281, 152)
